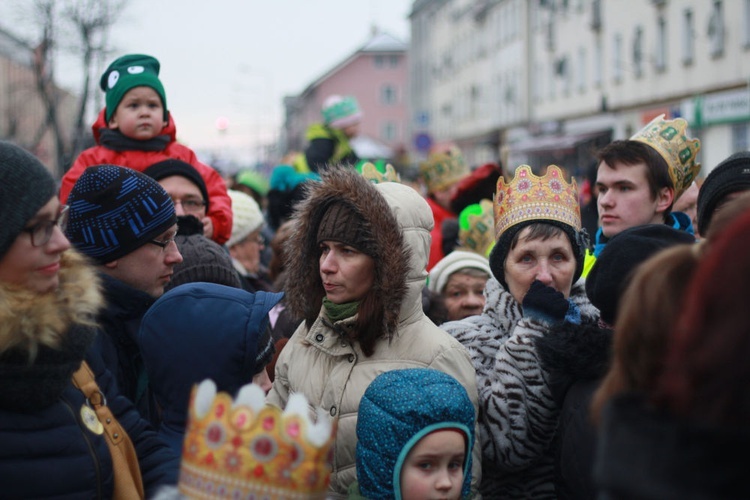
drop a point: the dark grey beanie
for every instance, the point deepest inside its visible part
(729, 176)
(202, 261)
(26, 187)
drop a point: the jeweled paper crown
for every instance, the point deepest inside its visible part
(247, 449)
(529, 197)
(374, 175)
(476, 228)
(442, 169)
(669, 139)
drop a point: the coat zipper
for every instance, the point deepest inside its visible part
(97, 465)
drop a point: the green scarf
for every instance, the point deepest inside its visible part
(337, 312)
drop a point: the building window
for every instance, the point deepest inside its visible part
(389, 132)
(688, 37)
(740, 137)
(388, 95)
(716, 29)
(660, 59)
(617, 58)
(598, 57)
(638, 52)
(393, 61)
(581, 69)
(379, 61)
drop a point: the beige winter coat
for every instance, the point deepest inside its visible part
(319, 362)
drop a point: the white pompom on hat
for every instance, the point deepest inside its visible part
(455, 261)
(247, 216)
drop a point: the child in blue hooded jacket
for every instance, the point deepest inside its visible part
(415, 433)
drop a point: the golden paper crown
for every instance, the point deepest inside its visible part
(442, 169)
(371, 173)
(528, 197)
(247, 449)
(476, 228)
(669, 139)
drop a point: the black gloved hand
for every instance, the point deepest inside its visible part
(544, 303)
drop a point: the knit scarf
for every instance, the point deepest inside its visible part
(117, 141)
(337, 312)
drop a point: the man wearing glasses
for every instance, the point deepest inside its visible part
(187, 189)
(125, 222)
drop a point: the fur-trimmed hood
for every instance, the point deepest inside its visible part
(29, 320)
(400, 222)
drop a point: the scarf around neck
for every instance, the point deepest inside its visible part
(117, 141)
(337, 312)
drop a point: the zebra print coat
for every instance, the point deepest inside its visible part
(517, 414)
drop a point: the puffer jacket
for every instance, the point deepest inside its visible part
(226, 355)
(319, 361)
(518, 416)
(46, 450)
(220, 206)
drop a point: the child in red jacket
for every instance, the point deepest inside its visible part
(135, 130)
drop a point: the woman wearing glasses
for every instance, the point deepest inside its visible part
(52, 442)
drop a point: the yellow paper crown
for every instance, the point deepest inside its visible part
(669, 139)
(476, 228)
(443, 169)
(529, 197)
(371, 173)
(247, 449)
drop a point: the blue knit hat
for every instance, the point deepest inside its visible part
(115, 210)
(397, 410)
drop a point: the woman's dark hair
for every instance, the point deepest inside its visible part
(706, 372)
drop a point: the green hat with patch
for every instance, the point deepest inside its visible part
(127, 72)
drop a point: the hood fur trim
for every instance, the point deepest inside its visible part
(29, 320)
(304, 291)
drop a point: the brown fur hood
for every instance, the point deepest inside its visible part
(29, 320)
(400, 222)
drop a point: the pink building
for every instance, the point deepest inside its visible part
(376, 74)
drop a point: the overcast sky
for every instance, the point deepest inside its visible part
(238, 58)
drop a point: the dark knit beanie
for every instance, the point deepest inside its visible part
(170, 167)
(26, 187)
(115, 210)
(616, 264)
(202, 260)
(127, 72)
(578, 241)
(342, 223)
(729, 176)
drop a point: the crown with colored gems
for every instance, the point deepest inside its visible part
(669, 139)
(475, 228)
(529, 197)
(374, 174)
(442, 169)
(244, 448)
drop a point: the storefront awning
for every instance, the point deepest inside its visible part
(558, 143)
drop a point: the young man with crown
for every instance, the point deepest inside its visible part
(535, 289)
(638, 180)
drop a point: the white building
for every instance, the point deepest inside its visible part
(550, 81)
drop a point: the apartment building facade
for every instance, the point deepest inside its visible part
(551, 81)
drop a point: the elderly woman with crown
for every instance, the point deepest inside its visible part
(536, 264)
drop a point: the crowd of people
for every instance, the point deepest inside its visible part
(465, 335)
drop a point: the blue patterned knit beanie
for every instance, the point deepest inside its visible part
(115, 210)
